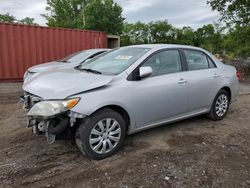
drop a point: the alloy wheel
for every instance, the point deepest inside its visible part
(105, 135)
(221, 105)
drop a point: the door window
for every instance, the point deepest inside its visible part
(196, 60)
(211, 63)
(164, 62)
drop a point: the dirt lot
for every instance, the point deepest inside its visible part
(193, 153)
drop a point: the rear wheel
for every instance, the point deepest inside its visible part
(220, 106)
(101, 134)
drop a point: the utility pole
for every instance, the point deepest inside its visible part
(83, 14)
(81, 7)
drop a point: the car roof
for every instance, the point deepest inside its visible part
(96, 50)
(160, 46)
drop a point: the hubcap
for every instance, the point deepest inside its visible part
(105, 135)
(221, 105)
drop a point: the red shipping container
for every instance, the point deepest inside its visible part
(23, 46)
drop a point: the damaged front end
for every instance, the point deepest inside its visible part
(52, 118)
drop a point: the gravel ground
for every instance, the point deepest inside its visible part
(193, 153)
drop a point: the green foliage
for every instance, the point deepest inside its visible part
(7, 18)
(161, 32)
(238, 42)
(137, 33)
(184, 36)
(233, 11)
(142, 33)
(65, 13)
(209, 36)
(104, 15)
(236, 14)
(233, 40)
(27, 21)
(101, 15)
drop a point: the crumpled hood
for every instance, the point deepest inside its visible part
(51, 66)
(61, 84)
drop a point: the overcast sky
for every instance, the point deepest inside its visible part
(194, 13)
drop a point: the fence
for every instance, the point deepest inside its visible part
(23, 46)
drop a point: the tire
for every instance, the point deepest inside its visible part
(220, 106)
(95, 140)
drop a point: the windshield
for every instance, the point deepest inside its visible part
(77, 57)
(115, 61)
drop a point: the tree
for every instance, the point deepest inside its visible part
(7, 18)
(185, 35)
(236, 14)
(101, 15)
(143, 33)
(233, 11)
(104, 15)
(126, 38)
(209, 37)
(235, 44)
(27, 21)
(161, 32)
(137, 33)
(65, 13)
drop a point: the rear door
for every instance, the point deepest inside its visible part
(203, 77)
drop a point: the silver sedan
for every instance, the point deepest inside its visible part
(127, 90)
(70, 61)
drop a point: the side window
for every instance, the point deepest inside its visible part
(164, 62)
(196, 60)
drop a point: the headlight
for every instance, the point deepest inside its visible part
(52, 108)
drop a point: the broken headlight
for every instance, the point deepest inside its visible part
(52, 108)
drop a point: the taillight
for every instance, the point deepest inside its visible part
(238, 74)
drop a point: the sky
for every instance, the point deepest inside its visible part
(179, 13)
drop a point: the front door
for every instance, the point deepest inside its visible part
(162, 95)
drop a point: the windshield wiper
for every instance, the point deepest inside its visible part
(91, 70)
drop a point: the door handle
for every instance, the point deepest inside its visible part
(182, 81)
(216, 75)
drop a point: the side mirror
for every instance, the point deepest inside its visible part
(145, 72)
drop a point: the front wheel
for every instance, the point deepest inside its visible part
(220, 106)
(101, 134)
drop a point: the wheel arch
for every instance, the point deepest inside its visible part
(228, 90)
(221, 87)
(119, 109)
